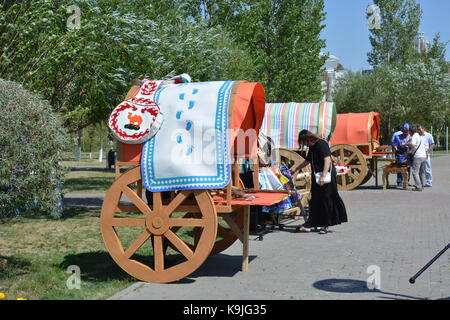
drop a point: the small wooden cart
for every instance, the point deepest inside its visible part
(212, 220)
(354, 140)
(355, 144)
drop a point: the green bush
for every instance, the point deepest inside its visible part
(32, 139)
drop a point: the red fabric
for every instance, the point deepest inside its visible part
(247, 118)
(262, 199)
(356, 128)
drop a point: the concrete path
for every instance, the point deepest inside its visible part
(393, 231)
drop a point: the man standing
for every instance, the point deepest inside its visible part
(428, 142)
(401, 149)
(418, 158)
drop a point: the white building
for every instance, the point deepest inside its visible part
(421, 43)
(333, 71)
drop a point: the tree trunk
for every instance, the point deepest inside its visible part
(79, 140)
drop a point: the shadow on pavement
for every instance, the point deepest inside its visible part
(380, 187)
(99, 266)
(356, 286)
(220, 265)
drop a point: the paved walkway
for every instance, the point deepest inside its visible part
(396, 231)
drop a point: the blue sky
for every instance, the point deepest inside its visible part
(347, 35)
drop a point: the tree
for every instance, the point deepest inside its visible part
(393, 41)
(32, 140)
(437, 52)
(281, 36)
(417, 93)
(84, 72)
(216, 12)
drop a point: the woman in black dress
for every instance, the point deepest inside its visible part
(326, 207)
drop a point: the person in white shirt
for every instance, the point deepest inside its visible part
(429, 145)
(419, 156)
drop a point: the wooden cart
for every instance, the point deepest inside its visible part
(355, 144)
(354, 139)
(170, 238)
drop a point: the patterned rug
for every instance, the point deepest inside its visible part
(191, 150)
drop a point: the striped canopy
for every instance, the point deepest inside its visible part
(283, 121)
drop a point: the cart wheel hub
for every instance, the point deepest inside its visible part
(157, 225)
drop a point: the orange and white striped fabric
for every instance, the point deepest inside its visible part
(283, 121)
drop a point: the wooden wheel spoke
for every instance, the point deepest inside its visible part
(350, 173)
(128, 222)
(158, 253)
(349, 159)
(344, 179)
(181, 246)
(341, 154)
(157, 201)
(183, 222)
(176, 228)
(137, 244)
(137, 200)
(234, 227)
(177, 201)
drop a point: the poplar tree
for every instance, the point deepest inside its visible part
(281, 36)
(393, 42)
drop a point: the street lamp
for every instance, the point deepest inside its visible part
(331, 65)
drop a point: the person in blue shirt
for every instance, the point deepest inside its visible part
(401, 149)
(398, 131)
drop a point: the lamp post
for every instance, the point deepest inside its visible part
(331, 64)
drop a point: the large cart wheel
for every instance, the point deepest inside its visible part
(348, 155)
(145, 258)
(303, 185)
(292, 158)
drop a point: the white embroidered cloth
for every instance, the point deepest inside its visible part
(191, 150)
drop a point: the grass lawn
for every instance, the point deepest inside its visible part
(38, 252)
(87, 181)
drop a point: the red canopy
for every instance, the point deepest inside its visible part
(356, 128)
(246, 114)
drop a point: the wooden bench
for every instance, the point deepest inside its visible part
(395, 168)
